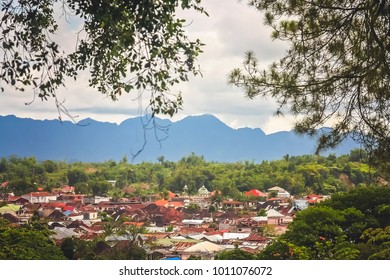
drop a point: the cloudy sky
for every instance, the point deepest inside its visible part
(231, 29)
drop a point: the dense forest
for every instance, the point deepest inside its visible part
(297, 174)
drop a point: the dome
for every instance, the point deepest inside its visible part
(203, 191)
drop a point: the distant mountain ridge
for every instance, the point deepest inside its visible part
(94, 141)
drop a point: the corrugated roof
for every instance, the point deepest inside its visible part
(193, 222)
(256, 237)
(235, 235)
(9, 208)
(204, 247)
(181, 246)
(272, 213)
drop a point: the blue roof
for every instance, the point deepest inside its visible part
(176, 258)
(67, 212)
(301, 204)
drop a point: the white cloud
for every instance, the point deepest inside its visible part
(231, 29)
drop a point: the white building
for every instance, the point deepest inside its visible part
(203, 191)
(280, 191)
(40, 197)
(193, 223)
(95, 199)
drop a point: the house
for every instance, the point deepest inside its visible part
(161, 202)
(300, 204)
(106, 206)
(14, 213)
(90, 215)
(215, 238)
(17, 200)
(70, 198)
(161, 215)
(229, 225)
(175, 204)
(181, 246)
(31, 209)
(171, 195)
(233, 204)
(64, 189)
(95, 199)
(193, 223)
(203, 201)
(260, 220)
(255, 242)
(280, 191)
(313, 199)
(56, 215)
(60, 233)
(55, 204)
(206, 250)
(75, 217)
(10, 217)
(189, 231)
(234, 236)
(249, 224)
(6, 196)
(288, 211)
(40, 197)
(10, 208)
(255, 193)
(274, 217)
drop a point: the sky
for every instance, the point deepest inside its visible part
(231, 29)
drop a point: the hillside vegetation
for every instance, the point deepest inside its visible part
(297, 174)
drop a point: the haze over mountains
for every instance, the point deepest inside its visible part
(94, 141)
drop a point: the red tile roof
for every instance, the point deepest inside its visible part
(186, 230)
(13, 198)
(55, 204)
(256, 237)
(134, 207)
(161, 202)
(255, 193)
(175, 204)
(134, 224)
(68, 208)
(38, 194)
(171, 194)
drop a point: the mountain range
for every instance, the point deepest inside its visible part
(147, 139)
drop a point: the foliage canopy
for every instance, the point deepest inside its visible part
(297, 174)
(27, 243)
(339, 228)
(125, 45)
(336, 69)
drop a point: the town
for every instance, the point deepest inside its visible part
(117, 210)
(178, 226)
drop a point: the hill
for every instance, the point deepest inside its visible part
(94, 141)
